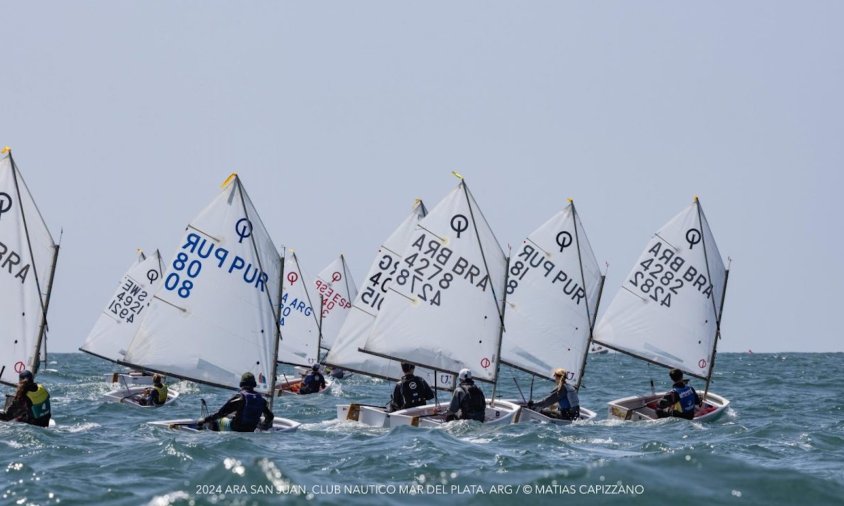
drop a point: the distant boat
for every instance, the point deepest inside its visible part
(668, 311)
(299, 324)
(445, 306)
(28, 255)
(215, 316)
(597, 349)
(553, 289)
(118, 323)
(336, 289)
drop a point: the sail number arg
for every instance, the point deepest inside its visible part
(295, 306)
(129, 301)
(188, 265)
(665, 273)
(530, 258)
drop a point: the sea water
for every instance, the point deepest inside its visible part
(780, 442)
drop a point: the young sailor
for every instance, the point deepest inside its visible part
(31, 403)
(157, 394)
(564, 396)
(681, 400)
(247, 407)
(468, 402)
(313, 382)
(410, 391)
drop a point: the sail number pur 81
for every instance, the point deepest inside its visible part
(665, 273)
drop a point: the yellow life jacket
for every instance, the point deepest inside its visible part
(40, 402)
(162, 393)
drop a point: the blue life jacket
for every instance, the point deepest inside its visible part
(687, 398)
(250, 413)
(568, 399)
(311, 383)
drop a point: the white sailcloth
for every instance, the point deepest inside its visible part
(122, 316)
(27, 261)
(552, 295)
(668, 307)
(298, 319)
(215, 316)
(337, 289)
(346, 350)
(444, 309)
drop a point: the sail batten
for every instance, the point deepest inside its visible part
(666, 311)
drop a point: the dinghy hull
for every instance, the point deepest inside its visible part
(636, 408)
(191, 425)
(132, 395)
(528, 415)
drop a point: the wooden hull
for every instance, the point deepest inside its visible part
(643, 407)
(132, 395)
(190, 425)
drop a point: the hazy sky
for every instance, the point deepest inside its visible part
(125, 117)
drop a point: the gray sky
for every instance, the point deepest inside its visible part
(125, 117)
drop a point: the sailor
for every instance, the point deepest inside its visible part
(31, 403)
(562, 402)
(247, 406)
(313, 382)
(468, 402)
(410, 391)
(157, 394)
(681, 400)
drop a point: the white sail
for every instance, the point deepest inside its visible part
(346, 350)
(215, 316)
(445, 306)
(27, 262)
(122, 316)
(298, 317)
(668, 308)
(553, 288)
(337, 290)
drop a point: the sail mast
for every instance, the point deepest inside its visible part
(715, 309)
(273, 307)
(274, 368)
(33, 366)
(501, 308)
(589, 317)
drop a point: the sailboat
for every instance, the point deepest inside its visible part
(553, 290)
(28, 257)
(299, 323)
(668, 311)
(346, 354)
(337, 290)
(445, 307)
(215, 316)
(118, 323)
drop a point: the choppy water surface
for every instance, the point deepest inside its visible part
(781, 442)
